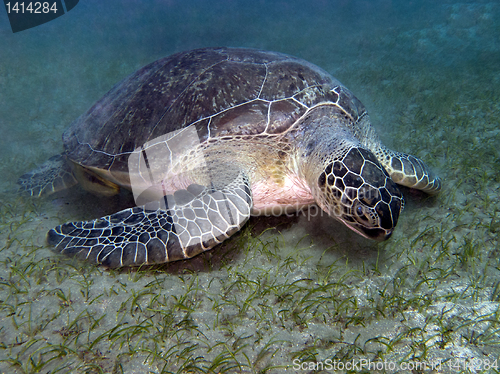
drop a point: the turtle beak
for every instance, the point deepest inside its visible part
(375, 234)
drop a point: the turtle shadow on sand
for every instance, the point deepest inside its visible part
(316, 233)
(323, 231)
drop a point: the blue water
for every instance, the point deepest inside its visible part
(429, 74)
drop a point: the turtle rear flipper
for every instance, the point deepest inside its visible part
(52, 176)
(178, 227)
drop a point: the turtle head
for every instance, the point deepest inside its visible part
(355, 189)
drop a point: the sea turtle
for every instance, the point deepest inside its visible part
(208, 137)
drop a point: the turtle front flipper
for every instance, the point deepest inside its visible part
(52, 176)
(409, 171)
(178, 227)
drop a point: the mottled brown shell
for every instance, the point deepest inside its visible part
(222, 91)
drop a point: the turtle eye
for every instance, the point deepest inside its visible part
(359, 211)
